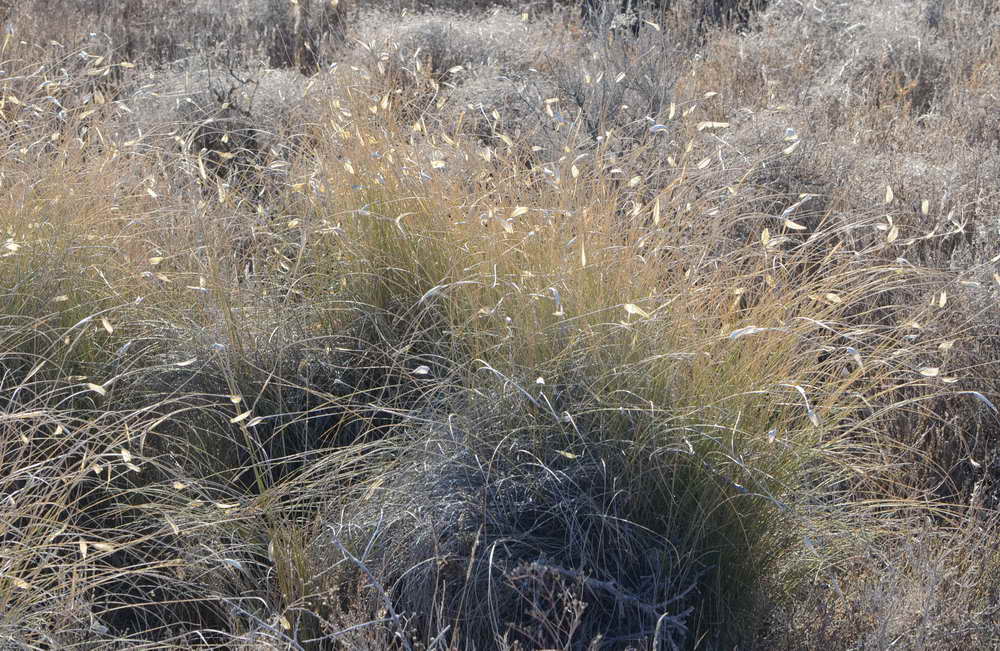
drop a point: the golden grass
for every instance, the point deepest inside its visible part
(699, 382)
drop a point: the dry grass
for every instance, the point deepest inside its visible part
(499, 329)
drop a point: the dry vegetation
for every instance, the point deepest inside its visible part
(391, 326)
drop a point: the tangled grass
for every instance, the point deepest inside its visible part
(674, 338)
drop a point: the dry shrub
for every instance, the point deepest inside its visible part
(891, 60)
(629, 15)
(452, 6)
(932, 590)
(524, 109)
(301, 34)
(445, 41)
(239, 128)
(474, 75)
(619, 84)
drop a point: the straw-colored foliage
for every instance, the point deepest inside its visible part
(502, 329)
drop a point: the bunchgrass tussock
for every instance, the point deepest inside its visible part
(666, 326)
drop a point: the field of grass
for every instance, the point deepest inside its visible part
(455, 326)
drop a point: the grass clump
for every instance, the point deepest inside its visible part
(472, 337)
